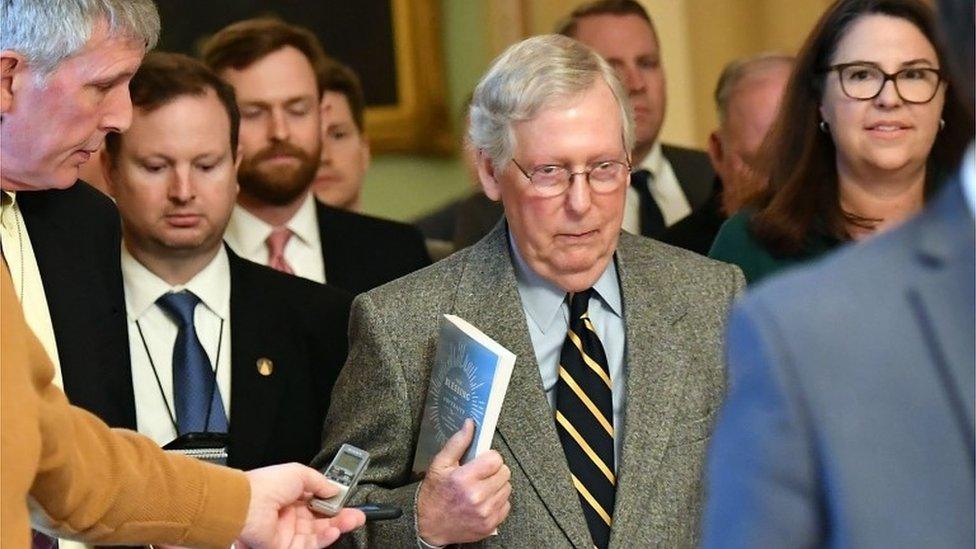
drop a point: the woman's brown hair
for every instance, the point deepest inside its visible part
(801, 200)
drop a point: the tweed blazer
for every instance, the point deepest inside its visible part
(675, 304)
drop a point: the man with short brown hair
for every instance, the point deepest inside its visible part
(272, 342)
(345, 146)
(273, 66)
(668, 182)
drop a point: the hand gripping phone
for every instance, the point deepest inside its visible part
(344, 472)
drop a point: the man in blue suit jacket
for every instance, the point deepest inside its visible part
(849, 422)
(850, 416)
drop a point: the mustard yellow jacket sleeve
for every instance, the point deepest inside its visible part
(65, 471)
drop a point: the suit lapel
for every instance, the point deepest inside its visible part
(337, 265)
(943, 299)
(254, 397)
(488, 298)
(100, 383)
(653, 365)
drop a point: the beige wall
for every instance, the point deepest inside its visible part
(698, 37)
(724, 30)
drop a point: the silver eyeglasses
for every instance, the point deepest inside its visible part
(553, 179)
(865, 81)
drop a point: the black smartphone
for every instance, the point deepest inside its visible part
(376, 511)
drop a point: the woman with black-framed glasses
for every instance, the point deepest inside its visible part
(864, 133)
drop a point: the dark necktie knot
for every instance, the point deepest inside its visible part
(640, 178)
(179, 306)
(579, 304)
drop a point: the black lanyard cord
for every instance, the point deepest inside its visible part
(159, 384)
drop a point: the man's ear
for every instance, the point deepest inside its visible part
(716, 153)
(11, 65)
(487, 176)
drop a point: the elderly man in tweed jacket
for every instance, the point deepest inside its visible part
(576, 461)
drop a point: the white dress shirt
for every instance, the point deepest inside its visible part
(142, 288)
(246, 235)
(547, 315)
(665, 189)
(26, 275)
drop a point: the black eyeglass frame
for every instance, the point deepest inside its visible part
(885, 78)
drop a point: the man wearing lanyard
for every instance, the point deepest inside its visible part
(197, 312)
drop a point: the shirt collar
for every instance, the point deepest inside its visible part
(143, 287)
(542, 299)
(304, 224)
(654, 160)
(250, 232)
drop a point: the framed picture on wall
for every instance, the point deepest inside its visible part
(393, 45)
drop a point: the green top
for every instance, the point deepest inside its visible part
(735, 244)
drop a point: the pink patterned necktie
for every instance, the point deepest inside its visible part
(276, 242)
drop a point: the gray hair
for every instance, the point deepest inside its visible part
(46, 32)
(530, 76)
(738, 70)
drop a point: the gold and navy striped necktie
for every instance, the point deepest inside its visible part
(584, 418)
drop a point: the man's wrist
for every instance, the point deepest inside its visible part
(421, 544)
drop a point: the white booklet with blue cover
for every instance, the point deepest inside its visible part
(468, 380)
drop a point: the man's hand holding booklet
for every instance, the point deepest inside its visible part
(463, 497)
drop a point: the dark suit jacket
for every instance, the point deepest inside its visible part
(301, 327)
(439, 224)
(697, 231)
(694, 172)
(476, 216)
(76, 239)
(297, 324)
(850, 417)
(362, 252)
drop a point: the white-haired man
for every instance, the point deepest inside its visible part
(64, 73)
(602, 434)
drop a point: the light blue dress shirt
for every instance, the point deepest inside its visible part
(547, 315)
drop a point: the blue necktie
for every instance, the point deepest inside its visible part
(195, 395)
